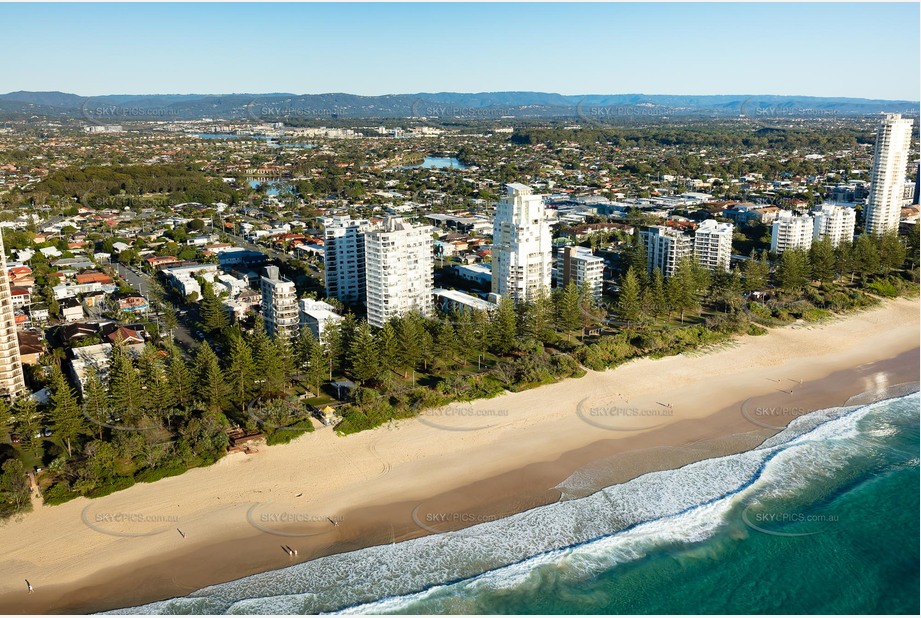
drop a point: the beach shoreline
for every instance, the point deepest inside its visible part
(463, 465)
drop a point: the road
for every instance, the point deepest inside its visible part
(272, 253)
(186, 317)
(313, 272)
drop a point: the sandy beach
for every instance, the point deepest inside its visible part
(454, 467)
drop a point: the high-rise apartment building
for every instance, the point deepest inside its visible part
(12, 381)
(521, 253)
(834, 222)
(713, 244)
(890, 161)
(399, 270)
(344, 255)
(279, 304)
(791, 231)
(665, 248)
(582, 268)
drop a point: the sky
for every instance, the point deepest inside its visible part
(867, 50)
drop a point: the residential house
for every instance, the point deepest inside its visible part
(133, 304)
(71, 309)
(30, 347)
(20, 297)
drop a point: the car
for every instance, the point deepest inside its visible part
(199, 335)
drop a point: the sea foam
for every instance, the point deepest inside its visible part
(572, 538)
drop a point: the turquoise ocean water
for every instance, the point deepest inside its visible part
(821, 518)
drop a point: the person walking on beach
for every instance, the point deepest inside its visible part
(29, 586)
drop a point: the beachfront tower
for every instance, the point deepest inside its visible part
(583, 269)
(713, 244)
(12, 381)
(791, 231)
(344, 255)
(890, 162)
(665, 248)
(834, 222)
(279, 304)
(522, 251)
(399, 269)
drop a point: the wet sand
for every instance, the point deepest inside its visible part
(471, 463)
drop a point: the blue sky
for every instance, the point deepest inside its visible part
(849, 49)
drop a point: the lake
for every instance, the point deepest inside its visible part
(438, 163)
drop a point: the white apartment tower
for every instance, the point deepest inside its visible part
(399, 267)
(791, 232)
(713, 244)
(344, 255)
(665, 248)
(522, 252)
(834, 222)
(12, 381)
(583, 268)
(890, 161)
(279, 304)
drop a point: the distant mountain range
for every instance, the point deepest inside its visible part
(440, 107)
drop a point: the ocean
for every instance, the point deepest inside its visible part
(820, 518)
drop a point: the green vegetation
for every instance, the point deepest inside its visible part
(123, 185)
(157, 416)
(712, 135)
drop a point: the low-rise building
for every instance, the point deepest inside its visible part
(453, 300)
(748, 214)
(480, 274)
(39, 312)
(31, 347)
(237, 256)
(20, 297)
(133, 304)
(183, 278)
(90, 357)
(233, 286)
(161, 261)
(317, 316)
(71, 309)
